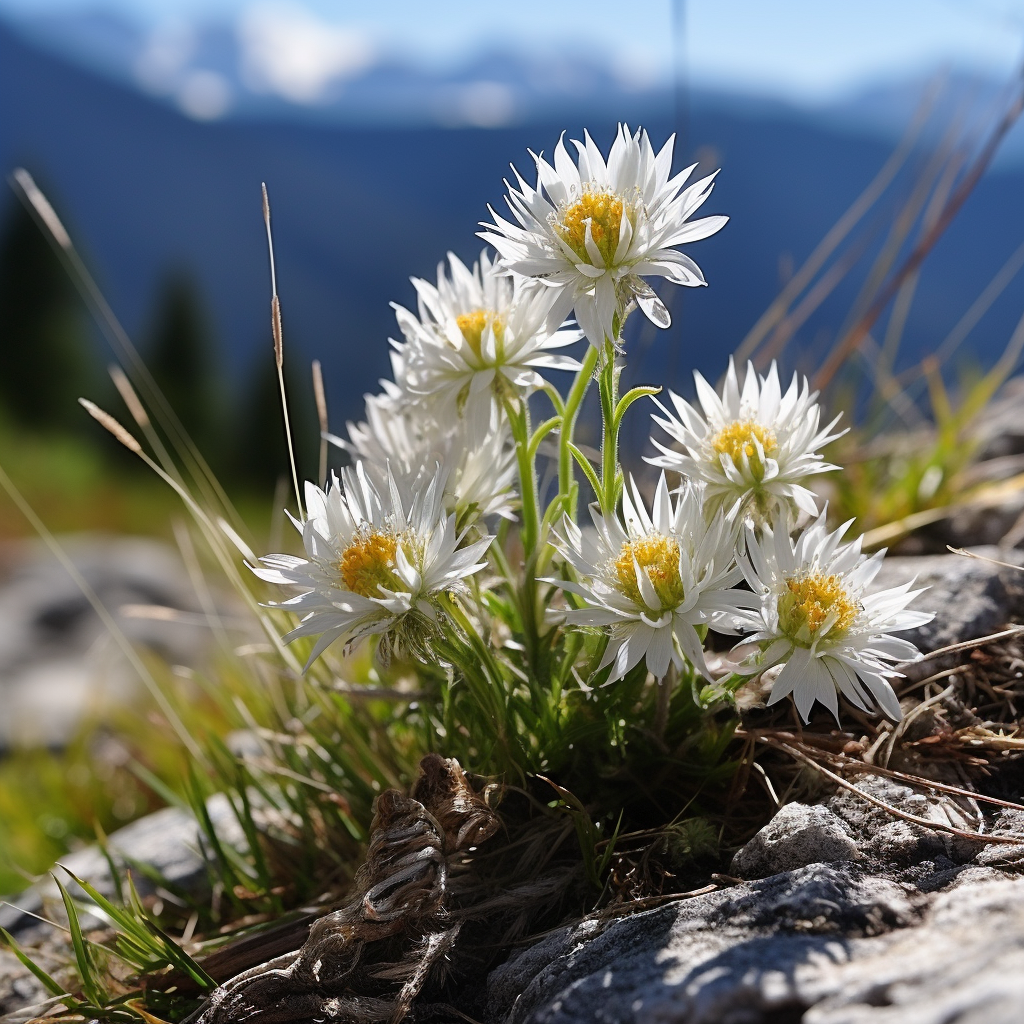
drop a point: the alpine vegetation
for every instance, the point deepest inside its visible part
(543, 622)
(555, 671)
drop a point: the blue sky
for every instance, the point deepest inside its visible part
(799, 49)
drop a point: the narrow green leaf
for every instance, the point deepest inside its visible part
(628, 399)
(26, 961)
(90, 986)
(588, 469)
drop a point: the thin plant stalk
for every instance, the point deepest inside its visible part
(275, 325)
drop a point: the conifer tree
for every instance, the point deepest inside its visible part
(46, 357)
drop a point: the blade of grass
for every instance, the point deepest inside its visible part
(86, 969)
(26, 961)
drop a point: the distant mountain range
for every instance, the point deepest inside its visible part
(375, 172)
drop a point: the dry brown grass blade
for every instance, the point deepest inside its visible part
(321, 415)
(41, 209)
(840, 230)
(849, 343)
(276, 330)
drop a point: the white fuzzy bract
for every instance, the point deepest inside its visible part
(752, 447)
(376, 562)
(405, 440)
(817, 618)
(477, 338)
(654, 578)
(593, 229)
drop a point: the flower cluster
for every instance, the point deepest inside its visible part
(399, 546)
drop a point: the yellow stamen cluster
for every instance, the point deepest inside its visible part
(812, 601)
(472, 325)
(603, 210)
(658, 557)
(368, 563)
(738, 439)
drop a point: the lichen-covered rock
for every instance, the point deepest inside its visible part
(1007, 823)
(823, 945)
(887, 842)
(798, 835)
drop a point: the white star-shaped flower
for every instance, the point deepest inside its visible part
(752, 447)
(817, 618)
(654, 577)
(375, 563)
(478, 337)
(592, 230)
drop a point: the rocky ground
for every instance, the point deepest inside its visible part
(58, 662)
(838, 911)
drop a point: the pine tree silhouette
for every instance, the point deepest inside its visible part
(260, 451)
(46, 357)
(182, 356)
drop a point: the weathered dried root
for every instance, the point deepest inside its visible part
(369, 960)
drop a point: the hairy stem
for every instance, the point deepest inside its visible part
(566, 477)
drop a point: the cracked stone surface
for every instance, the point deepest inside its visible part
(848, 917)
(823, 944)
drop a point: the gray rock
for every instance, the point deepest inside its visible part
(970, 597)
(1000, 428)
(889, 842)
(798, 835)
(1007, 823)
(167, 845)
(57, 661)
(823, 944)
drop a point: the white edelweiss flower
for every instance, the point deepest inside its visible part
(478, 337)
(751, 447)
(655, 579)
(376, 561)
(816, 616)
(592, 230)
(403, 439)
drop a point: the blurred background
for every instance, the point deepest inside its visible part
(384, 130)
(852, 137)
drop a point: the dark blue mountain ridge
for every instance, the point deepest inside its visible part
(357, 209)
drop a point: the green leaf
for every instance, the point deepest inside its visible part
(628, 399)
(588, 469)
(86, 971)
(41, 976)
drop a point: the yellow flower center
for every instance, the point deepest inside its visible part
(603, 210)
(368, 563)
(738, 439)
(812, 601)
(472, 325)
(658, 557)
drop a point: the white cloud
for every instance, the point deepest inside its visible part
(167, 51)
(288, 50)
(204, 95)
(480, 104)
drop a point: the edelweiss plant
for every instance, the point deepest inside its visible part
(453, 608)
(544, 628)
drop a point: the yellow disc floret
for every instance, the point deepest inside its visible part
(603, 210)
(658, 557)
(368, 563)
(742, 437)
(813, 605)
(472, 325)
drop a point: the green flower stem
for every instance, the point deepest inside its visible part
(519, 421)
(610, 476)
(566, 477)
